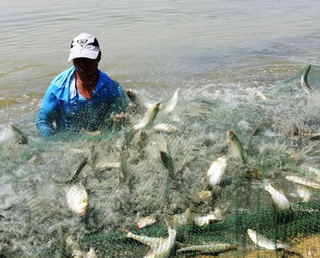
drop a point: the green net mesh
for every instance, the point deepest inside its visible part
(161, 172)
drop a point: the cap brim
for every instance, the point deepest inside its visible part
(91, 53)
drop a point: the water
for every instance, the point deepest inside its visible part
(155, 46)
(219, 53)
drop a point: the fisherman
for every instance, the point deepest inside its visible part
(81, 97)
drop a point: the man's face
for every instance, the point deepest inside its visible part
(86, 67)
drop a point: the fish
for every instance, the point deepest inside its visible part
(77, 199)
(136, 98)
(149, 117)
(216, 170)
(146, 221)
(264, 242)
(171, 103)
(303, 181)
(280, 202)
(166, 128)
(304, 80)
(200, 220)
(106, 165)
(235, 150)
(212, 248)
(152, 242)
(167, 161)
(163, 250)
(123, 169)
(11, 134)
(140, 139)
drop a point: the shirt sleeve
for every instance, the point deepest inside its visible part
(47, 114)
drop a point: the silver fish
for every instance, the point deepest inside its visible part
(264, 242)
(152, 242)
(136, 98)
(164, 249)
(172, 102)
(302, 181)
(149, 117)
(124, 171)
(77, 199)
(217, 170)
(304, 80)
(212, 248)
(146, 221)
(167, 128)
(201, 220)
(235, 150)
(279, 200)
(11, 134)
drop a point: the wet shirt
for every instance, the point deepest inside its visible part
(63, 108)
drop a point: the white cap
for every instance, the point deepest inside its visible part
(84, 45)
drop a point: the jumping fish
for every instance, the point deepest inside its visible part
(77, 199)
(136, 98)
(172, 102)
(235, 149)
(212, 248)
(264, 242)
(304, 80)
(146, 221)
(279, 200)
(217, 170)
(11, 134)
(149, 117)
(302, 181)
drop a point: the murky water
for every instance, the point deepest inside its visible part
(156, 46)
(231, 61)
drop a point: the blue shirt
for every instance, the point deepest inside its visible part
(63, 108)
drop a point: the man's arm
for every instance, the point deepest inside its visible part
(47, 113)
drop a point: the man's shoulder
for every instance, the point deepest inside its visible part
(62, 79)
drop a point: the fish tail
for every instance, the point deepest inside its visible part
(125, 232)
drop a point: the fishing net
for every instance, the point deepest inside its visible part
(161, 172)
